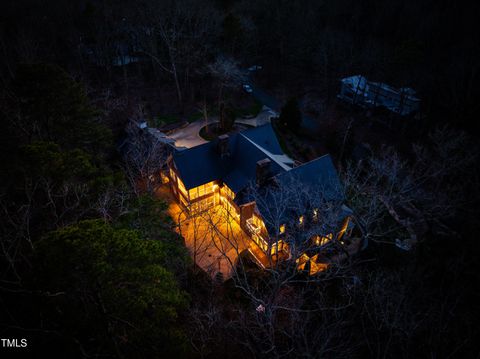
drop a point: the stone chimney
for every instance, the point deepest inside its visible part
(222, 145)
(263, 171)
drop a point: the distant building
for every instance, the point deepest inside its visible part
(357, 90)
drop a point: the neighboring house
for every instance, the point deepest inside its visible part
(358, 90)
(223, 172)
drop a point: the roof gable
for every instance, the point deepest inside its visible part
(318, 173)
(202, 164)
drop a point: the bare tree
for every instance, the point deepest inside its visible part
(418, 193)
(288, 311)
(227, 72)
(282, 306)
(228, 75)
(184, 30)
(145, 156)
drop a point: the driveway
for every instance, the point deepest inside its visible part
(189, 136)
(263, 117)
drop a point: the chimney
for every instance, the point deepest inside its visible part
(222, 145)
(263, 171)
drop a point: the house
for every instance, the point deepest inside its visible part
(224, 172)
(359, 91)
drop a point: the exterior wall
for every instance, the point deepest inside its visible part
(203, 197)
(259, 233)
(227, 197)
(374, 94)
(246, 212)
(214, 193)
(178, 188)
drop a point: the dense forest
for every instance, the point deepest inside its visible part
(90, 263)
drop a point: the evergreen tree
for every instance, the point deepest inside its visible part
(50, 106)
(290, 115)
(117, 294)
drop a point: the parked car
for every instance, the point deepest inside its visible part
(255, 68)
(247, 88)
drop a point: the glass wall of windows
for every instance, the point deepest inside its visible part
(202, 190)
(227, 192)
(202, 205)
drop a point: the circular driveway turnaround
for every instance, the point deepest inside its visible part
(189, 136)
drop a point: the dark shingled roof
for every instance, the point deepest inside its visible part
(264, 136)
(318, 172)
(202, 164)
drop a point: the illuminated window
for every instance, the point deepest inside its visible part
(181, 187)
(315, 214)
(300, 220)
(344, 228)
(321, 240)
(201, 190)
(228, 192)
(260, 242)
(172, 174)
(184, 200)
(278, 247)
(164, 178)
(282, 229)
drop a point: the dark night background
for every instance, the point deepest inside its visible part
(91, 268)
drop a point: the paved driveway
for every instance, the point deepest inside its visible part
(188, 136)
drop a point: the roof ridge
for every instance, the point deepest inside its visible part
(268, 153)
(315, 159)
